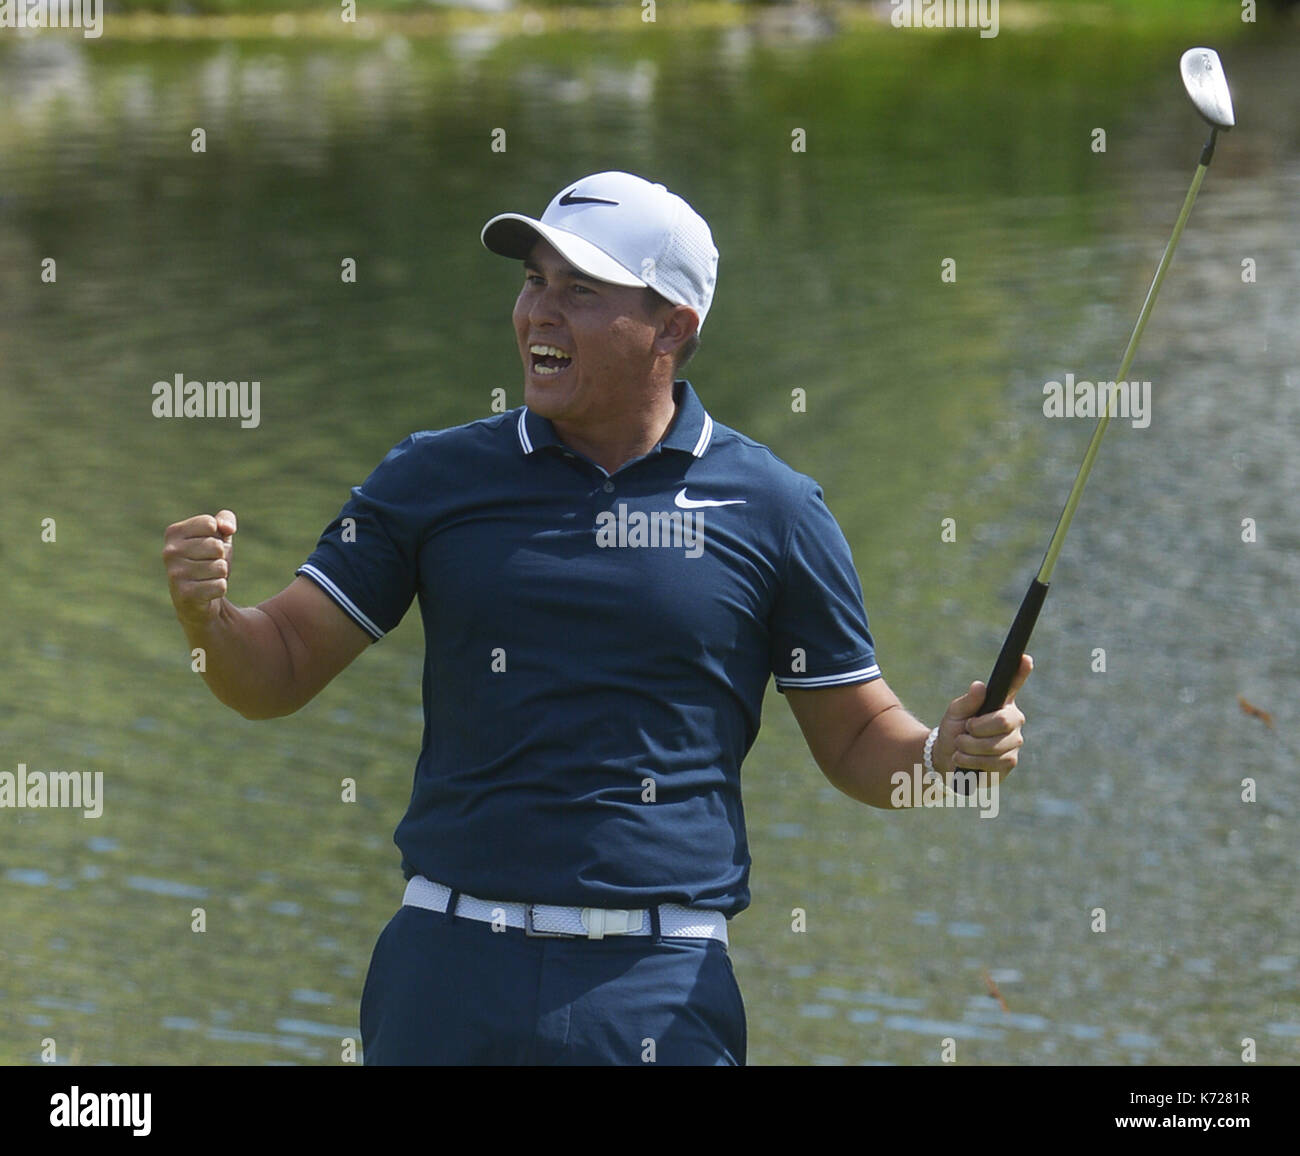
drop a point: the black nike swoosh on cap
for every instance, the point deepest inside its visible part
(570, 199)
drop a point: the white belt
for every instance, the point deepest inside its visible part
(545, 921)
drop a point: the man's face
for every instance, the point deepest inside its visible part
(605, 332)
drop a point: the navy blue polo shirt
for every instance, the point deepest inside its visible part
(597, 648)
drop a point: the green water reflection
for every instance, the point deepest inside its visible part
(920, 405)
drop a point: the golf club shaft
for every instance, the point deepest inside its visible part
(1013, 649)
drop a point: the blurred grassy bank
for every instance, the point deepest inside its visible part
(149, 19)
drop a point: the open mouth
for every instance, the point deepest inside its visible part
(548, 360)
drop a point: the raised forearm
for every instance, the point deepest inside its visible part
(876, 761)
(254, 660)
(247, 661)
(892, 742)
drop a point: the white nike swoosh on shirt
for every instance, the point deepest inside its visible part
(685, 503)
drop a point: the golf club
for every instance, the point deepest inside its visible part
(1206, 84)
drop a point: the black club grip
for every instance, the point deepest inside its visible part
(1008, 663)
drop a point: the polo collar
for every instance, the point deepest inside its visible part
(691, 430)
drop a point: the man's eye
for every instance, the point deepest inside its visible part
(578, 287)
(532, 279)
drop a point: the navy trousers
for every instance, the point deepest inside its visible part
(448, 990)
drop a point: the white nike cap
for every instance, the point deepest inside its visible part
(619, 228)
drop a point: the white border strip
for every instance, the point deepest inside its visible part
(328, 585)
(522, 430)
(864, 675)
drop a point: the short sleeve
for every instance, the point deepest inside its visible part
(818, 628)
(367, 558)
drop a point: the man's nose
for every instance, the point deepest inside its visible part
(543, 309)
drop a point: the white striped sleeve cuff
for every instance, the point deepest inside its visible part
(350, 608)
(812, 682)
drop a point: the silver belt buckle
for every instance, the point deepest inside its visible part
(601, 922)
(533, 933)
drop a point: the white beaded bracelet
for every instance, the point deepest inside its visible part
(928, 754)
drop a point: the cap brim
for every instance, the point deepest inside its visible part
(514, 235)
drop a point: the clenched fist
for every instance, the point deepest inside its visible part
(196, 553)
(989, 742)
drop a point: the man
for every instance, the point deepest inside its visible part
(607, 579)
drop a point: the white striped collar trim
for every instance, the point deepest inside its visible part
(698, 450)
(706, 436)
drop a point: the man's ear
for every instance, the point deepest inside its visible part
(677, 326)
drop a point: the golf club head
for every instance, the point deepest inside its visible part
(1207, 86)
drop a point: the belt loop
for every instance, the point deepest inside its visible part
(452, 900)
(654, 923)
